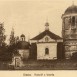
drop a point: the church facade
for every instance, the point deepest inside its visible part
(47, 45)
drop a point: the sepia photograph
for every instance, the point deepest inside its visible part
(38, 35)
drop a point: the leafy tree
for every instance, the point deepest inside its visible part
(3, 46)
(2, 36)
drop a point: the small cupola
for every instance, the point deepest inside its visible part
(46, 26)
(22, 37)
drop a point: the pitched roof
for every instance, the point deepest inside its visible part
(46, 32)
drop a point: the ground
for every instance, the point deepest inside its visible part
(43, 65)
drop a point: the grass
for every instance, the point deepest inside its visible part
(44, 65)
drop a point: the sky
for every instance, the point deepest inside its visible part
(29, 16)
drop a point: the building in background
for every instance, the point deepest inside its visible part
(23, 47)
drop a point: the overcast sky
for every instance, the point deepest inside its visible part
(29, 17)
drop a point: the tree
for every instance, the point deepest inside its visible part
(16, 39)
(2, 36)
(12, 49)
(3, 46)
(12, 37)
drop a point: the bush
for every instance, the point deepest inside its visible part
(74, 56)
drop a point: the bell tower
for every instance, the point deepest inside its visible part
(69, 31)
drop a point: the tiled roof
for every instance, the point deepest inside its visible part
(46, 32)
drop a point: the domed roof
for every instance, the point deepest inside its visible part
(22, 35)
(23, 45)
(71, 9)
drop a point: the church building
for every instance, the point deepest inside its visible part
(23, 47)
(47, 45)
(69, 31)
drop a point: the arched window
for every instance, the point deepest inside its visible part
(73, 21)
(46, 51)
(22, 38)
(46, 39)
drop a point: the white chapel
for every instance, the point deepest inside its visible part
(47, 45)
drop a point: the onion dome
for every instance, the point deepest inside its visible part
(22, 35)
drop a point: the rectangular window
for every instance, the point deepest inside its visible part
(73, 21)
